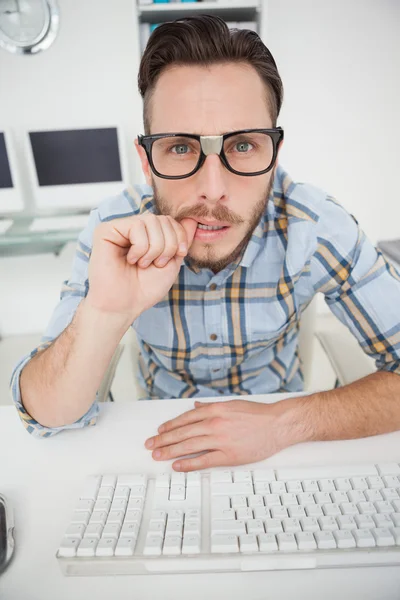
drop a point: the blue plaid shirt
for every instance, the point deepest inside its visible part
(236, 332)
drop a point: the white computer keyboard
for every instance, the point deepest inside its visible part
(228, 520)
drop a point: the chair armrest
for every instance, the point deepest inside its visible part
(105, 387)
(347, 358)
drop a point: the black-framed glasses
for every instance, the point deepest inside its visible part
(247, 152)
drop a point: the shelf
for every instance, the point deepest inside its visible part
(18, 240)
(230, 11)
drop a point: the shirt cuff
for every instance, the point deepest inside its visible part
(32, 426)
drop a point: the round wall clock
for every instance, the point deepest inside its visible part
(28, 26)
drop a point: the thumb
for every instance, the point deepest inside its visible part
(190, 226)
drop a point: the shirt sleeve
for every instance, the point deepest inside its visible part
(361, 288)
(72, 293)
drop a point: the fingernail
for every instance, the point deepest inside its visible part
(182, 247)
(144, 263)
(161, 429)
(177, 466)
(163, 261)
(149, 443)
(157, 454)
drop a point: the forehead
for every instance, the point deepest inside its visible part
(209, 100)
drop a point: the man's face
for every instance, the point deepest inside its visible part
(211, 101)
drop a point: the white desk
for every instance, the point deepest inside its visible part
(43, 478)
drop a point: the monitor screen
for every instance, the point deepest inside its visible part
(5, 171)
(76, 156)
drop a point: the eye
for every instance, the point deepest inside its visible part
(243, 147)
(180, 148)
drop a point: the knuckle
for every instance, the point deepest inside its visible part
(216, 423)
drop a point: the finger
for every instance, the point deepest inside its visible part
(156, 241)
(191, 416)
(215, 458)
(170, 242)
(190, 226)
(182, 237)
(196, 444)
(177, 435)
(138, 240)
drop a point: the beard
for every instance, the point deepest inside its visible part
(211, 260)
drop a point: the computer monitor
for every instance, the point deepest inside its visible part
(10, 189)
(75, 168)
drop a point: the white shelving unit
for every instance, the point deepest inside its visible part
(232, 11)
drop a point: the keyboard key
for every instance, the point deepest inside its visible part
(388, 468)
(390, 493)
(109, 480)
(346, 522)
(314, 510)
(75, 530)
(125, 546)
(162, 480)
(242, 476)
(279, 512)
(242, 513)
(391, 481)
(133, 516)
(191, 527)
(272, 500)
(305, 540)
(366, 508)
(153, 545)
(102, 504)
(158, 515)
(267, 542)
(323, 498)
(310, 485)
(121, 504)
(221, 477)
(248, 543)
(94, 531)
(373, 495)
(383, 506)
(255, 526)
(396, 519)
(278, 487)
(131, 479)
(375, 482)
(342, 484)
(224, 543)
(364, 538)
(344, 539)
(98, 516)
(356, 496)
(309, 524)
(193, 479)
(296, 512)
(86, 505)
(178, 478)
(325, 540)
(123, 491)
(255, 500)
(220, 502)
(260, 512)
(364, 521)
(177, 492)
(382, 520)
(383, 537)
(111, 530)
(289, 499)
(231, 489)
(175, 514)
(172, 545)
(359, 483)
(395, 531)
(273, 525)
(294, 486)
(116, 516)
(238, 501)
(236, 527)
(326, 485)
(286, 542)
(260, 475)
(305, 498)
(81, 516)
(91, 488)
(68, 547)
(193, 513)
(349, 508)
(339, 497)
(130, 530)
(174, 528)
(229, 513)
(396, 505)
(137, 491)
(331, 510)
(291, 525)
(328, 523)
(262, 488)
(133, 504)
(87, 547)
(106, 546)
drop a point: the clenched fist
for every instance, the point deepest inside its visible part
(135, 261)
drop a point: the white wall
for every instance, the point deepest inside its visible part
(339, 61)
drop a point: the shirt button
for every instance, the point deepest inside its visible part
(213, 287)
(216, 370)
(220, 391)
(213, 337)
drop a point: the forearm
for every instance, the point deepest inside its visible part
(59, 385)
(369, 406)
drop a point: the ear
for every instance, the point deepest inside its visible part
(145, 163)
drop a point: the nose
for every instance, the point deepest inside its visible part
(211, 180)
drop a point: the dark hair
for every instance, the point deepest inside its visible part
(206, 40)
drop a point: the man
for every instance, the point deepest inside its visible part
(212, 262)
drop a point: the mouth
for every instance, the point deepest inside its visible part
(209, 231)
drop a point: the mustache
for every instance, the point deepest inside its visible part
(220, 213)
